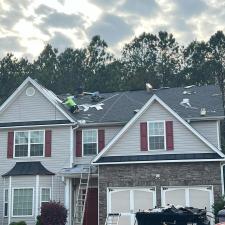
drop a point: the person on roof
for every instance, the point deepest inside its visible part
(70, 102)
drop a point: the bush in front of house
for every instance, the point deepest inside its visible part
(19, 223)
(38, 222)
(218, 205)
(53, 213)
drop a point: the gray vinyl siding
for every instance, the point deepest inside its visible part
(33, 108)
(60, 159)
(184, 140)
(110, 132)
(208, 129)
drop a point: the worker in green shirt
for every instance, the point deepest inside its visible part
(70, 102)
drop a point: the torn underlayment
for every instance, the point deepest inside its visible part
(186, 103)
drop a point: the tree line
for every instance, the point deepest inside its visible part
(157, 59)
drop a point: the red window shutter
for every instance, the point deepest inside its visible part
(78, 143)
(143, 136)
(101, 140)
(169, 135)
(48, 143)
(10, 144)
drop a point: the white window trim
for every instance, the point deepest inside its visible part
(156, 121)
(15, 216)
(4, 202)
(90, 142)
(28, 156)
(41, 194)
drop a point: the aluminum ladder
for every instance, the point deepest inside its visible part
(112, 219)
(82, 196)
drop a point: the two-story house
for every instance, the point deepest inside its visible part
(145, 148)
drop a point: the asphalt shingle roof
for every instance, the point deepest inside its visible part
(120, 106)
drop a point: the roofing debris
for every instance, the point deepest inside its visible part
(190, 86)
(189, 92)
(86, 107)
(186, 103)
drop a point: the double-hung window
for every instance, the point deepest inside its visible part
(6, 202)
(23, 202)
(29, 143)
(45, 195)
(90, 142)
(156, 135)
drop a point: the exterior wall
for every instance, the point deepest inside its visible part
(184, 140)
(110, 132)
(25, 108)
(144, 175)
(60, 158)
(208, 129)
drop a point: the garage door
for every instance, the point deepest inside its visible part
(129, 201)
(199, 197)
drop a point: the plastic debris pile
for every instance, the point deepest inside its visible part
(173, 215)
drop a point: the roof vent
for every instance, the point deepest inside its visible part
(203, 112)
(30, 91)
(148, 87)
(136, 111)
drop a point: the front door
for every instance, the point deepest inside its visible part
(129, 201)
(91, 209)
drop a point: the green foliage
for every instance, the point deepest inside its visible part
(19, 223)
(38, 222)
(218, 205)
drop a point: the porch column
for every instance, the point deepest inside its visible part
(10, 200)
(68, 198)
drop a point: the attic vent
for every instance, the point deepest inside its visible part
(30, 91)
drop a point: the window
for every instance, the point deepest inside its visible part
(29, 143)
(156, 131)
(6, 202)
(45, 195)
(90, 142)
(23, 202)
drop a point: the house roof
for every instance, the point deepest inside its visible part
(28, 168)
(120, 106)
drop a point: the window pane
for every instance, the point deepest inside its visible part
(21, 150)
(90, 136)
(37, 137)
(36, 149)
(156, 142)
(21, 137)
(156, 128)
(22, 202)
(90, 149)
(45, 194)
(6, 195)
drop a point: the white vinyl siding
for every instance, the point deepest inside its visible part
(23, 199)
(184, 140)
(90, 142)
(29, 143)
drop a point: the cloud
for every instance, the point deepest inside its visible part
(188, 8)
(60, 41)
(141, 8)
(10, 44)
(109, 4)
(63, 20)
(111, 28)
(44, 10)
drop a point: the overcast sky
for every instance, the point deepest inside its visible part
(27, 25)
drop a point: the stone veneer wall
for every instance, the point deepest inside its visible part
(171, 174)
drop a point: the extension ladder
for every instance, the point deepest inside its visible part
(112, 219)
(82, 196)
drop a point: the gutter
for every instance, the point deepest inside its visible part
(210, 118)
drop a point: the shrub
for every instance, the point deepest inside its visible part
(38, 222)
(18, 223)
(53, 213)
(218, 205)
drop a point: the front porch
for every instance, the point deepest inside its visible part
(81, 188)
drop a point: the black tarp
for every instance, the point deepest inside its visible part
(182, 216)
